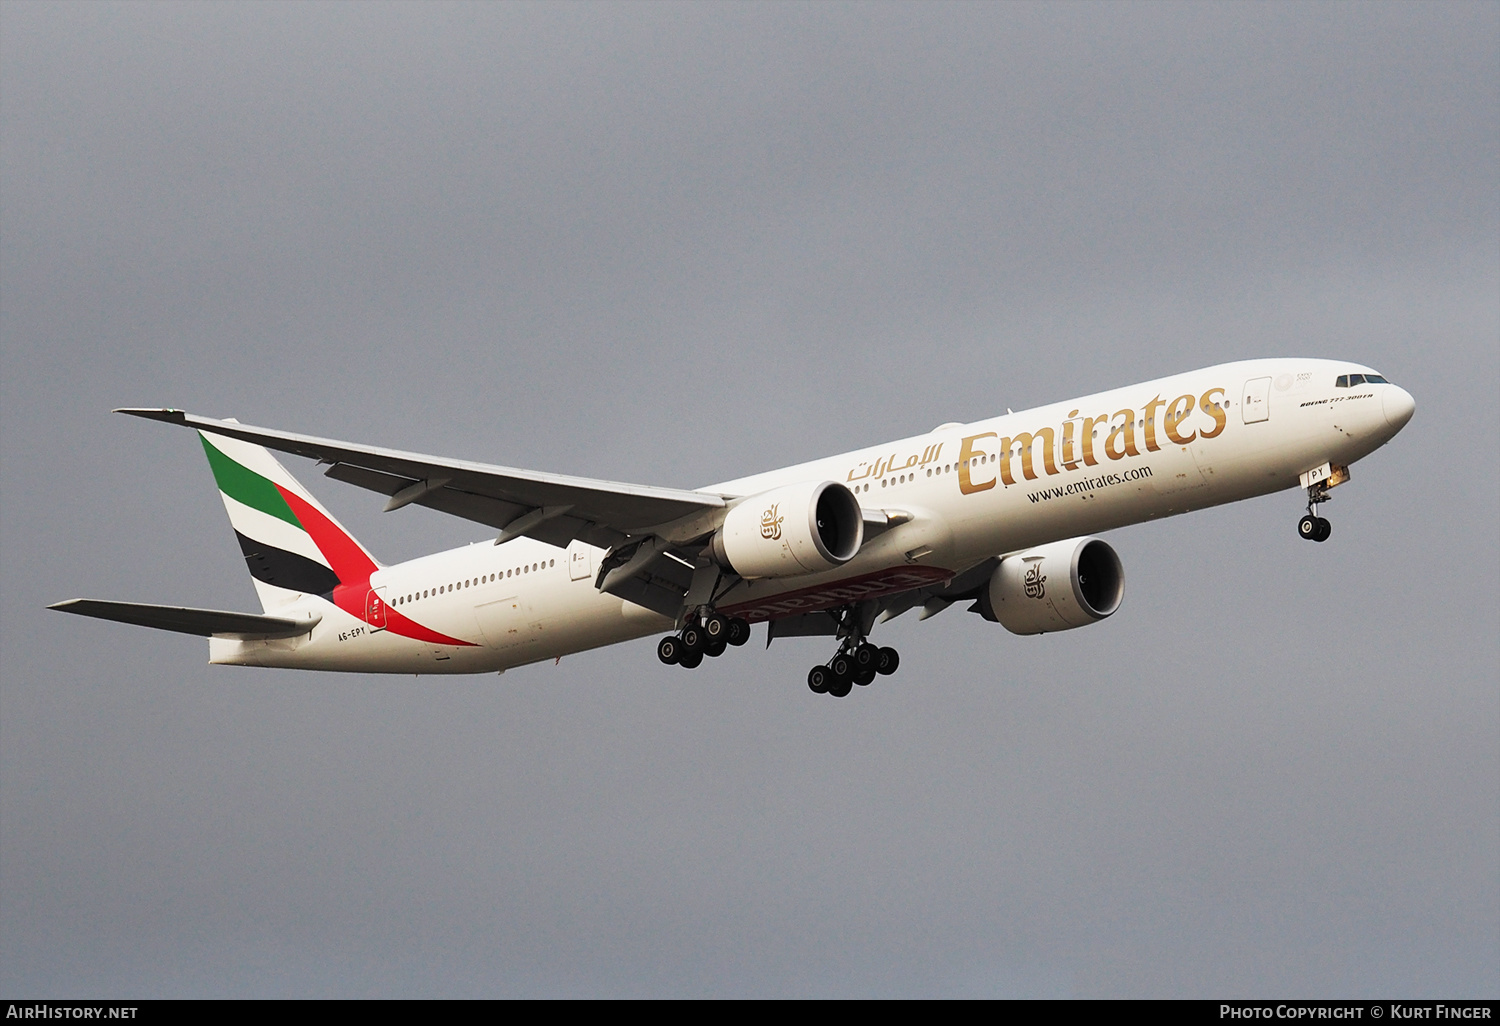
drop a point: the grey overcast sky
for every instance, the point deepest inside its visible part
(680, 243)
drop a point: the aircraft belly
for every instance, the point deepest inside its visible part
(572, 618)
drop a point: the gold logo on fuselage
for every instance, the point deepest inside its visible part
(894, 464)
(1078, 437)
(1069, 446)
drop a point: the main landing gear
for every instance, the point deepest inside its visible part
(856, 662)
(1313, 527)
(702, 636)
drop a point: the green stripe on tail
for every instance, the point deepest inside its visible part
(247, 487)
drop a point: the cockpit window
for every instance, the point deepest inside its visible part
(1350, 380)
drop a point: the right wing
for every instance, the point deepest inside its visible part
(207, 623)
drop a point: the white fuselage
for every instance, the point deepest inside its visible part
(972, 491)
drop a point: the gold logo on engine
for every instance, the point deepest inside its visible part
(770, 523)
(1034, 582)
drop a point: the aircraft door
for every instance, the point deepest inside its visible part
(505, 623)
(375, 609)
(1255, 403)
(579, 567)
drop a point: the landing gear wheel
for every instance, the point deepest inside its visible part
(866, 656)
(716, 627)
(818, 679)
(690, 660)
(1307, 527)
(841, 687)
(1324, 530)
(865, 676)
(739, 631)
(693, 638)
(669, 649)
(713, 649)
(888, 661)
(842, 667)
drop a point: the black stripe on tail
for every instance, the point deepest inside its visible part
(286, 569)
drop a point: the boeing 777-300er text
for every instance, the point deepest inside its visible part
(998, 513)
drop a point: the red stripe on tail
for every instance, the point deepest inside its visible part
(353, 567)
(349, 561)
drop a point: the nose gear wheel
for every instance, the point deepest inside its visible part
(1313, 527)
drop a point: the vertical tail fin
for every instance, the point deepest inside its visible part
(292, 545)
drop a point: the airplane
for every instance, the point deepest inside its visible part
(1001, 513)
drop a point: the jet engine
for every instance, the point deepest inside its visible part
(795, 529)
(1054, 587)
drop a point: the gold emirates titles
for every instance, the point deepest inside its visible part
(1077, 442)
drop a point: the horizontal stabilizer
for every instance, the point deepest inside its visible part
(216, 623)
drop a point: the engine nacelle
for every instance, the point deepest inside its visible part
(1055, 587)
(795, 529)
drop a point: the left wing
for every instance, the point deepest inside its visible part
(552, 508)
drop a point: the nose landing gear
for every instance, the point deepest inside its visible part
(1313, 527)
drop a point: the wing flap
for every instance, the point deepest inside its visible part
(206, 623)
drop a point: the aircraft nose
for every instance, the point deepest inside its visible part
(1399, 406)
